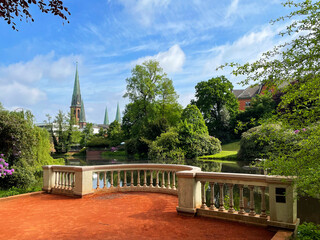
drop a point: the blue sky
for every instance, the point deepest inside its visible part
(109, 37)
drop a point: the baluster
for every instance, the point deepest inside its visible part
(157, 180)
(163, 182)
(69, 181)
(73, 179)
(221, 199)
(241, 207)
(263, 203)
(118, 183)
(131, 184)
(125, 178)
(252, 212)
(168, 183)
(111, 179)
(151, 178)
(144, 178)
(138, 180)
(231, 205)
(65, 180)
(104, 179)
(98, 180)
(59, 181)
(212, 196)
(174, 180)
(56, 179)
(203, 194)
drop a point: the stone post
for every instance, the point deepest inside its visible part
(83, 181)
(189, 193)
(282, 200)
(48, 178)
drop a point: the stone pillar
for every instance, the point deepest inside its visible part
(83, 181)
(189, 193)
(48, 179)
(282, 200)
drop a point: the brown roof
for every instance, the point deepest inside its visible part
(237, 92)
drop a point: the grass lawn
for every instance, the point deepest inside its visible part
(229, 152)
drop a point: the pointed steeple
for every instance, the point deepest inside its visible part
(106, 118)
(118, 116)
(82, 114)
(76, 96)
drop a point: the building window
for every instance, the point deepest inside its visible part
(247, 104)
(78, 113)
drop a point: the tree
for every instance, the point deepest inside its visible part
(115, 133)
(218, 104)
(87, 134)
(296, 60)
(295, 65)
(153, 105)
(262, 107)
(11, 9)
(193, 134)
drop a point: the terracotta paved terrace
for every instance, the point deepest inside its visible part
(112, 216)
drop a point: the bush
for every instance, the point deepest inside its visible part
(265, 140)
(166, 146)
(308, 231)
(99, 142)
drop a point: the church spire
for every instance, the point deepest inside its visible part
(76, 96)
(118, 116)
(82, 114)
(106, 118)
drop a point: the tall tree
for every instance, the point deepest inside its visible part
(11, 9)
(153, 101)
(217, 103)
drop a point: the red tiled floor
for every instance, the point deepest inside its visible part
(112, 216)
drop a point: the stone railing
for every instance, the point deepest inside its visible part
(190, 184)
(80, 181)
(280, 191)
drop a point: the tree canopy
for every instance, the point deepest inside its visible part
(217, 103)
(12, 9)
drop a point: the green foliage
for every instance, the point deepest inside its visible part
(153, 106)
(166, 146)
(308, 231)
(87, 134)
(192, 119)
(115, 133)
(98, 142)
(218, 105)
(26, 147)
(261, 108)
(264, 141)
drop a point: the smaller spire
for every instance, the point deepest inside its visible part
(82, 114)
(106, 118)
(118, 116)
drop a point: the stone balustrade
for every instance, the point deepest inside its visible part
(79, 181)
(279, 190)
(191, 185)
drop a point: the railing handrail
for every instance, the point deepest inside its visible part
(115, 167)
(242, 177)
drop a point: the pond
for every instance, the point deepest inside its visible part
(210, 166)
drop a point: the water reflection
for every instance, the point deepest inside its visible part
(232, 167)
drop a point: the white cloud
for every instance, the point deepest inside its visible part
(171, 61)
(145, 11)
(40, 67)
(16, 94)
(232, 8)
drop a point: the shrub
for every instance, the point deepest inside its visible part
(166, 146)
(99, 142)
(308, 231)
(265, 140)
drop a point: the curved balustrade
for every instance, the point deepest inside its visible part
(74, 180)
(190, 184)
